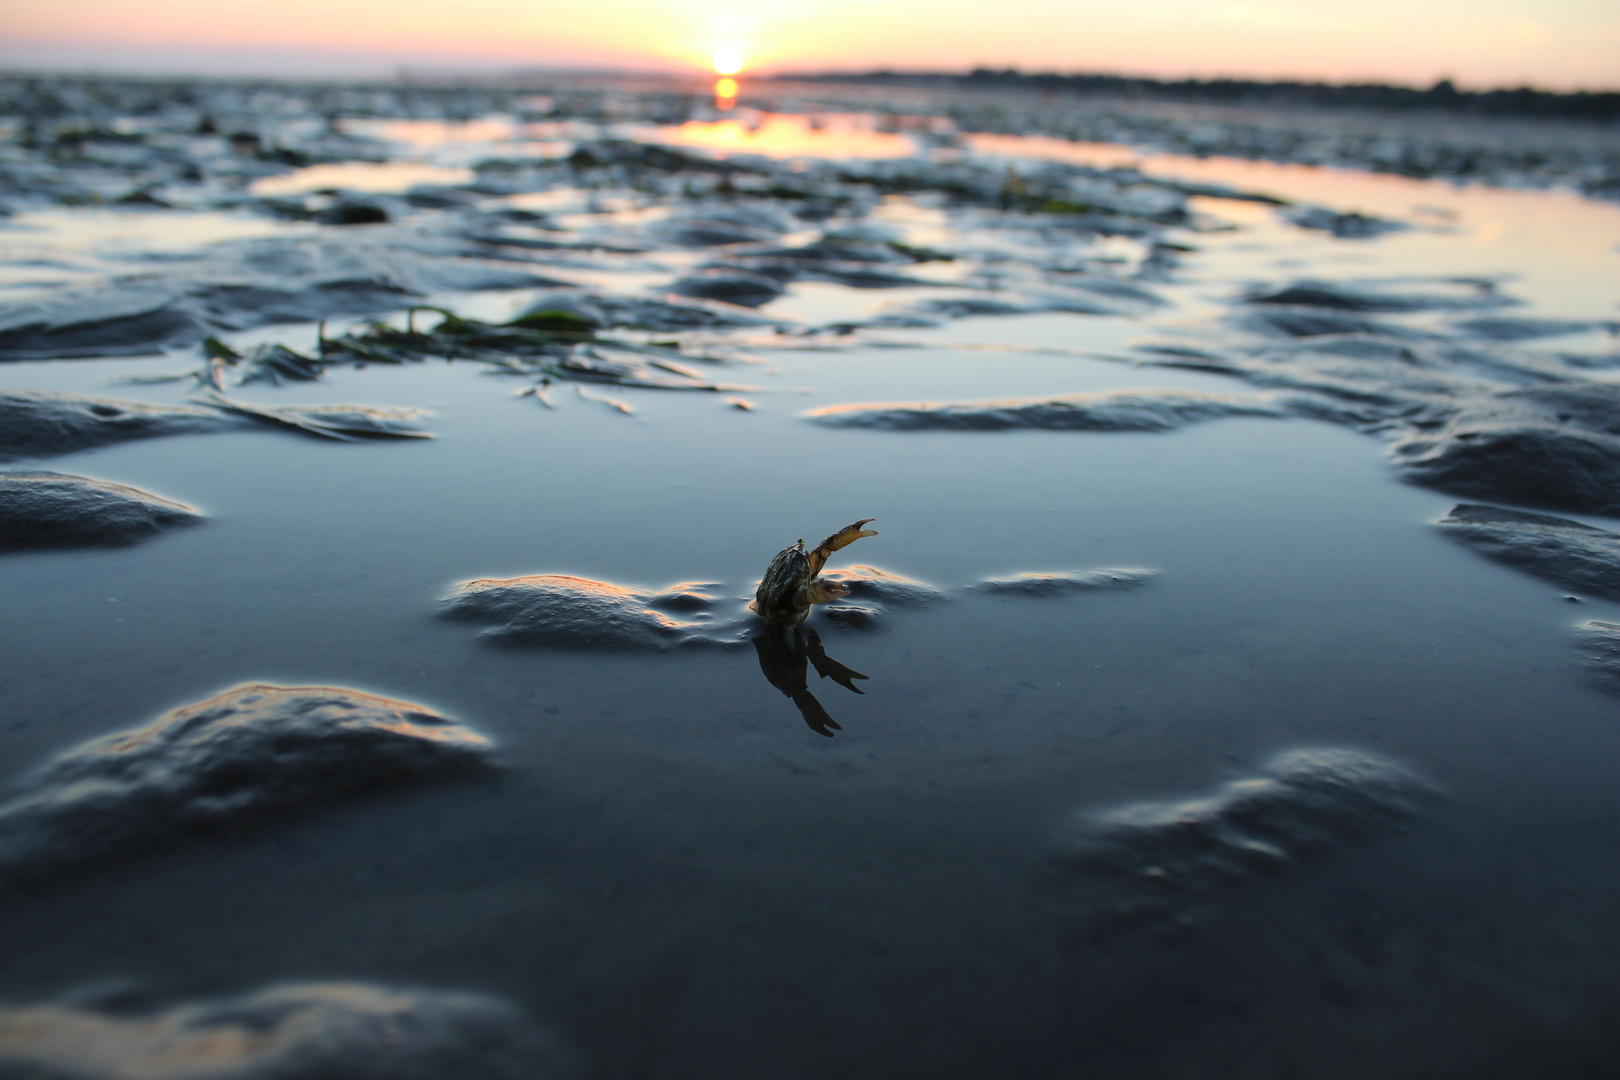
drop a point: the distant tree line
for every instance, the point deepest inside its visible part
(1443, 96)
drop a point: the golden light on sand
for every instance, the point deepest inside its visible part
(728, 60)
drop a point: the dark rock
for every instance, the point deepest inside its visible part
(294, 1031)
(1156, 861)
(1565, 552)
(248, 754)
(1048, 584)
(37, 423)
(577, 613)
(46, 509)
(1114, 410)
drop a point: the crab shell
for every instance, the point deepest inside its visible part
(790, 586)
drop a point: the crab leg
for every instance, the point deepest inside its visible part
(836, 542)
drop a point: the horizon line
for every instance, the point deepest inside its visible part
(399, 71)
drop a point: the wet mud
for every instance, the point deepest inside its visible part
(238, 287)
(52, 510)
(1158, 862)
(342, 423)
(577, 613)
(749, 896)
(244, 757)
(1044, 583)
(307, 1031)
(1119, 410)
(1346, 226)
(568, 612)
(41, 423)
(1488, 421)
(1568, 553)
(1600, 645)
(35, 423)
(869, 584)
(1553, 447)
(1374, 297)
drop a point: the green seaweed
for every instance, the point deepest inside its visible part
(551, 342)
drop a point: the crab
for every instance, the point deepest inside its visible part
(790, 586)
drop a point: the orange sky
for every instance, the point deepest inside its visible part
(1558, 43)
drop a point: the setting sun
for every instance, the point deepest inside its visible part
(728, 61)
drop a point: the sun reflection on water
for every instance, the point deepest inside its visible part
(725, 94)
(835, 136)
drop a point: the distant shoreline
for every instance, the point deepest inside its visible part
(1441, 99)
(1525, 102)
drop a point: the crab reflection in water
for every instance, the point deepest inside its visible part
(786, 653)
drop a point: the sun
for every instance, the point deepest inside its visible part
(728, 61)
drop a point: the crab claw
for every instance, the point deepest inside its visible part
(838, 541)
(825, 592)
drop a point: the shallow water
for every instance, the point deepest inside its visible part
(827, 136)
(677, 876)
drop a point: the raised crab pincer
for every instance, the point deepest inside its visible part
(790, 586)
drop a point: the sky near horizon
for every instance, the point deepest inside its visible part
(1560, 44)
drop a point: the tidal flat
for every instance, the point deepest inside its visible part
(386, 471)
